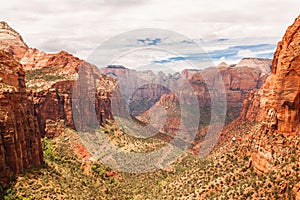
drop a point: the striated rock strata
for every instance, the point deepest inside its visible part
(20, 139)
(52, 89)
(51, 78)
(277, 103)
(142, 89)
(11, 41)
(238, 80)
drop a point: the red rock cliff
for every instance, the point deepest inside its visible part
(277, 103)
(51, 77)
(20, 140)
(11, 41)
(238, 80)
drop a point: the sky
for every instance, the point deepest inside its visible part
(190, 30)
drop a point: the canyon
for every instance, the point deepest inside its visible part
(54, 95)
(143, 89)
(52, 79)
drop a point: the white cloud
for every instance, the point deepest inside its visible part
(83, 25)
(246, 53)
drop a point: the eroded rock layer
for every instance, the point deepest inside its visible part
(277, 103)
(51, 79)
(20, 139)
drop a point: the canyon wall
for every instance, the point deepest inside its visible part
(277, 103)
(143, 89)
(51, 78)
(51, 82)
(238, 80)
(20, 139)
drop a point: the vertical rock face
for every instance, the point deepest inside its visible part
(263, 65)
(247, 75)
(20, 140)
(277, 103)
(52, 82)
(51, 77)
(142, 89)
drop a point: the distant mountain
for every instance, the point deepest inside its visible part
(143, 89)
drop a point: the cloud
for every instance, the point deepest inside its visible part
(219, 51)
(56, 45)
(246, 53)
(81, 26)
(149, 41)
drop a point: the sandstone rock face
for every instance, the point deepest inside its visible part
(51, 79)
(238, 81)
(142, 89)
(54, 104)
(205, 84)
(63, 62)
(258, 63)
(52, 87)
(11, 41)
(165, 115)
(261, 161)
(20, 141)
(277, 103)
(188, 73)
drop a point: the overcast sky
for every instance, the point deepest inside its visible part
(80, 26)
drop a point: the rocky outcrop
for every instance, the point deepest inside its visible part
(165, 115)
(238, 81)
(20, 139)
(52, 86)
(51, 79)
(142, 89)
(264, 65)
(275, 107)
(277, 103)
(11, 41)
(188, 73)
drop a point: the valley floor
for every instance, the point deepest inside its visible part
(229, 174)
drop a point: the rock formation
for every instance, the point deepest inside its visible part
(52, 88)
(51, 78)
(277, 103)
(20, 139)
(263, 65)
(11, 41)
(142, 89)
(238, 80)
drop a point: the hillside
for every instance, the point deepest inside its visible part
(61, 137)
